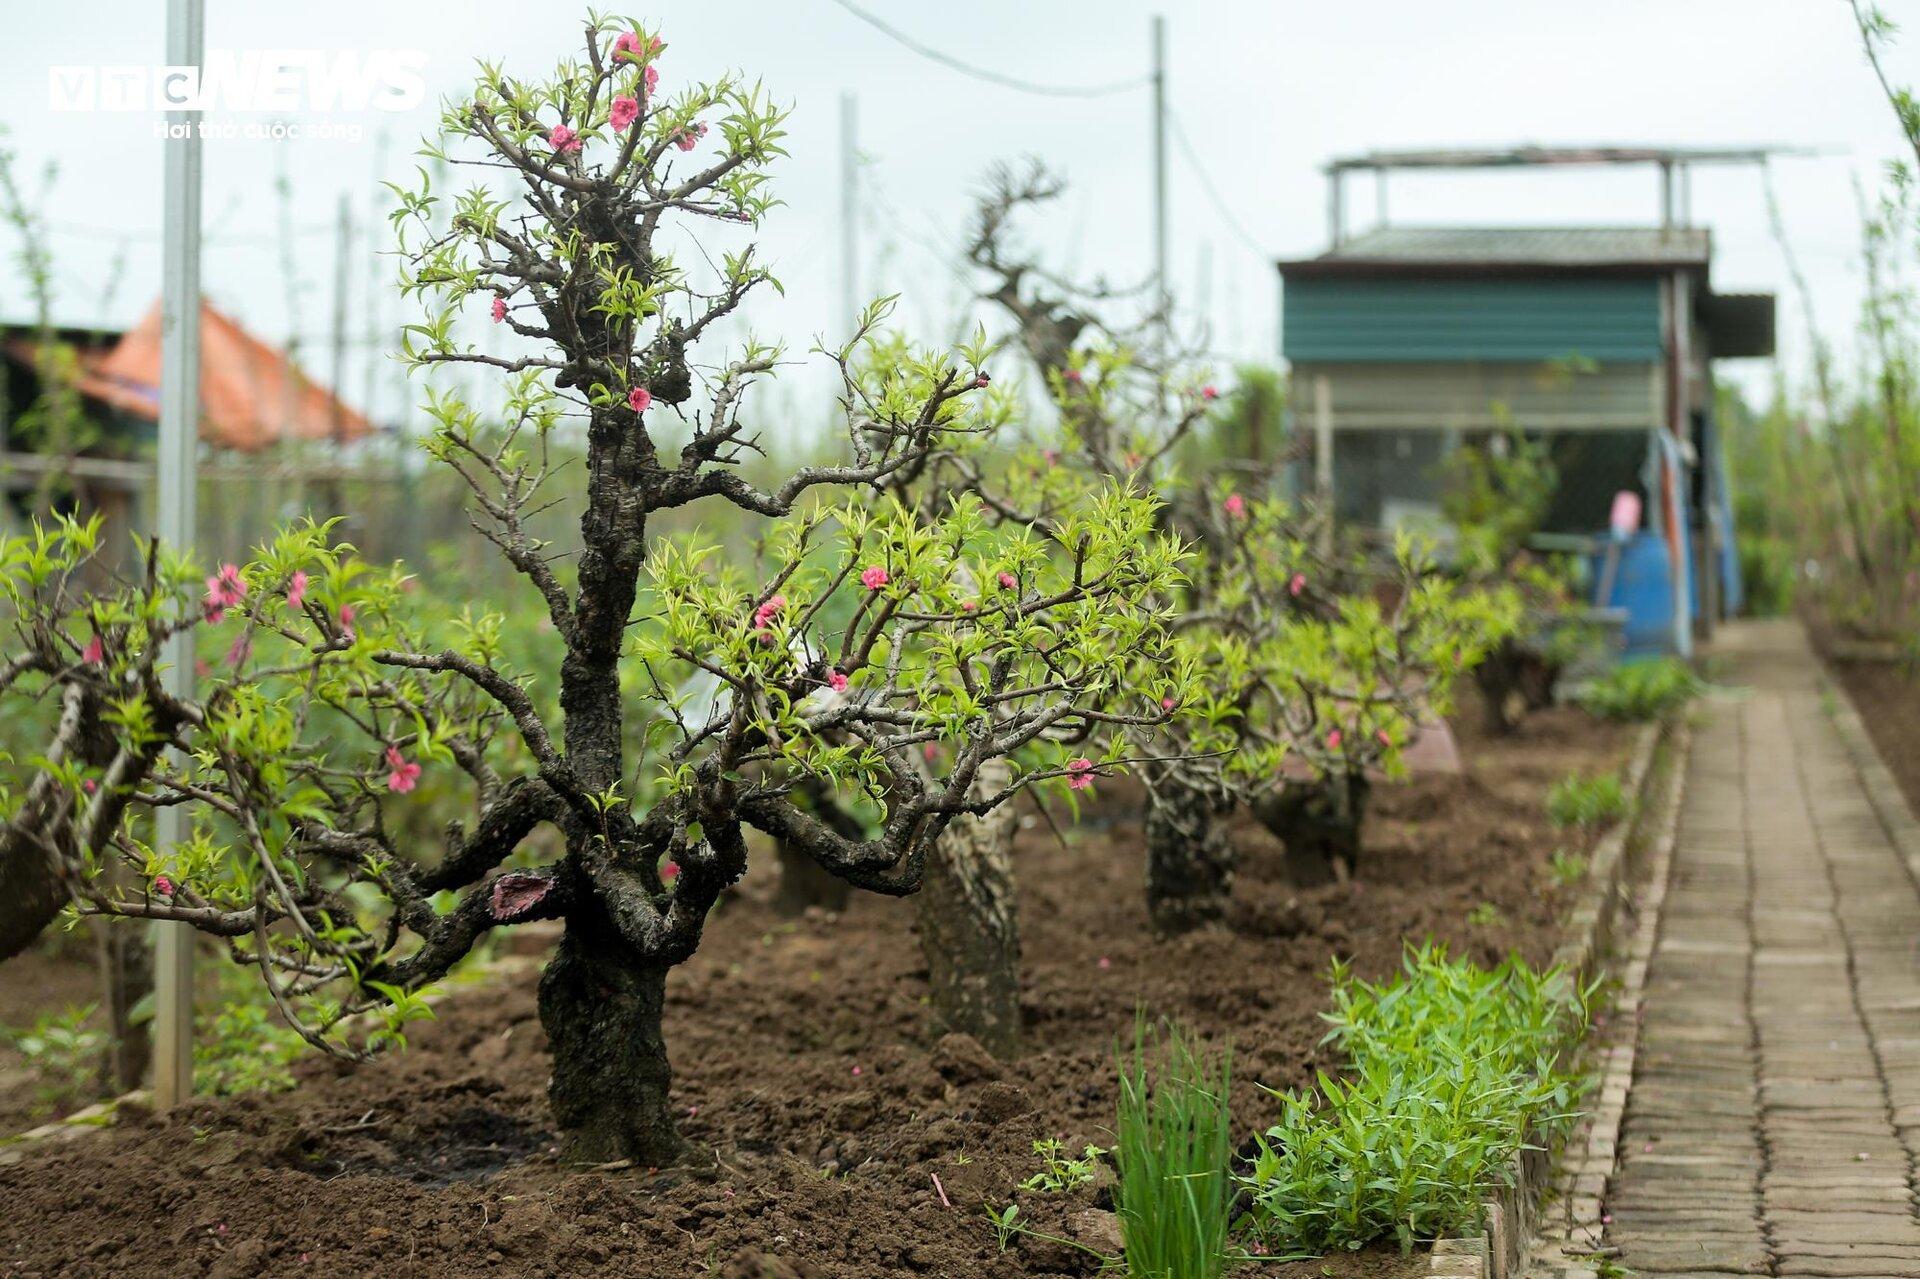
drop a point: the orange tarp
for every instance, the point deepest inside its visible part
(251, 396)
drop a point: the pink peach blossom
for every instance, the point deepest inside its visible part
(225, 590)
(1167, 703)
(689, 137)
(346, 622)
(297, 588)
(764, 615)
(95, 653)
(499, 310)
(982, 379)
(652, 78)
(563, 139)
(1236, 505)
(623, 112)
(836, 681)
(163, 885)
(639, 399)
(1073, 375)
(405, 775)
(240, 650)
(874, 577)
(1298, 584)
(670, 871)
(1008, 580)
(1333, 740)
(1209, 392)
(1079, 773)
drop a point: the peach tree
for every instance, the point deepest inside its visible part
(1307, 669)
(1495, 494)
(696, 702)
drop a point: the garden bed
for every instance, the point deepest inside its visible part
(1888, 698)
(845, 1141)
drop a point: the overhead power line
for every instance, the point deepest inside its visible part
(1206, 184)
(983, 73)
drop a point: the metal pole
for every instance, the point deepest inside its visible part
(1323, 456)
(1160, 281)
(849, 210)
(337, 425)
(1336, 215)
(174, 520)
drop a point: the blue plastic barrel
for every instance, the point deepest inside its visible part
(1643, 587)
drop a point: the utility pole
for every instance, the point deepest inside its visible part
(174, 525)
(1160, 282)
(849, 211)
(337, 426)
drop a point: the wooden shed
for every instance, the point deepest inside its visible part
(1405, 340)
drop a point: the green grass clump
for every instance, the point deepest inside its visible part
(1642, 690)
(1452, 1067)
(1174, 1141)
(1587, 802)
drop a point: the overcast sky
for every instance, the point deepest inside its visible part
(1267, 90)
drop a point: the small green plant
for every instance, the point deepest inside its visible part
(1587, 802)
(1059, 1174)
(1485, 915)
(242, 1045)
(1642, 690)
(1567, 868)
(1005, 1225)
(63, 1052)
(1452, 1067)
(1605, 1266)
(1174, 1143)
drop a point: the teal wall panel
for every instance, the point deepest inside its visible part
(1396, 320)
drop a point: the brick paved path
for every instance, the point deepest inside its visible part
(1774, 1116)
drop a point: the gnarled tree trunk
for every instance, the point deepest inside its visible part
(1498, 678)
(31, 894)
(602, 1008)
(803, 882)
(126, 977)
(1513, 681)
(1319, 825)
(969, 929)
(1189, 859)
(804, 885)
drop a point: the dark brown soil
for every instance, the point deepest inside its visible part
(840, 1138)
(56, 974)
(1887, 696)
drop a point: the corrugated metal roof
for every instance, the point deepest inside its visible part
(1534, 154)
(1528, 246)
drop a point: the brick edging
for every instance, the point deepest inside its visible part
(1523, 1233)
